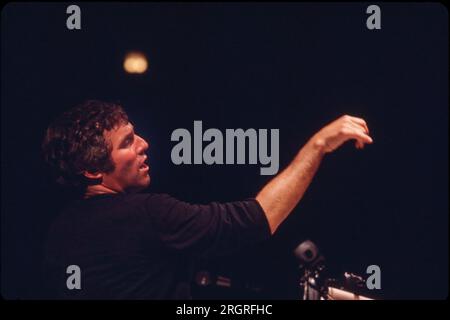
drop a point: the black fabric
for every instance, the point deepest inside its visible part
(141, 246)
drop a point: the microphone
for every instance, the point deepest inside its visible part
(308, 255)
(312, 263)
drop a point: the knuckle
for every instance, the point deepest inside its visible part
(344, 130)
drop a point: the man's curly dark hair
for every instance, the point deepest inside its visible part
(74, 142)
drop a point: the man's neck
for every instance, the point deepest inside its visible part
(96, 190)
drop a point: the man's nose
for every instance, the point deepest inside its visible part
(143, 145)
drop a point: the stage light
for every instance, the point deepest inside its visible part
(135, 62)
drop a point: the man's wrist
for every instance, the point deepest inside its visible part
(317, 145)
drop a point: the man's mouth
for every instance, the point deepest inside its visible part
(144, 165)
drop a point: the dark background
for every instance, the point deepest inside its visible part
(290, 66)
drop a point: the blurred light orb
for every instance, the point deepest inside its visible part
(135, 62)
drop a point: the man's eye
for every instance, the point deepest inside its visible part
(127, 142)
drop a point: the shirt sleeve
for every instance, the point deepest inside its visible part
(209, 229)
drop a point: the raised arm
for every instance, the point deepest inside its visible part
(279, 197)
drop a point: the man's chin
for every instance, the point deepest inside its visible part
(147, 181)
(141, 186)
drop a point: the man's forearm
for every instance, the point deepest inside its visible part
(280, 196)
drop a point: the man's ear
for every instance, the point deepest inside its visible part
(93, 176)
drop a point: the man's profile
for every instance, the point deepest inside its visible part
(132, 245)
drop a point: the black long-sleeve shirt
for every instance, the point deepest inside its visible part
(140, 246)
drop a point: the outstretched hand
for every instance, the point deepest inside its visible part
(332, 136)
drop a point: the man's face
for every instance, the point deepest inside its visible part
(131, 173)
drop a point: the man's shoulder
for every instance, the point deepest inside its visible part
(111, 207)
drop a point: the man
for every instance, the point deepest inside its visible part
(131, 245)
